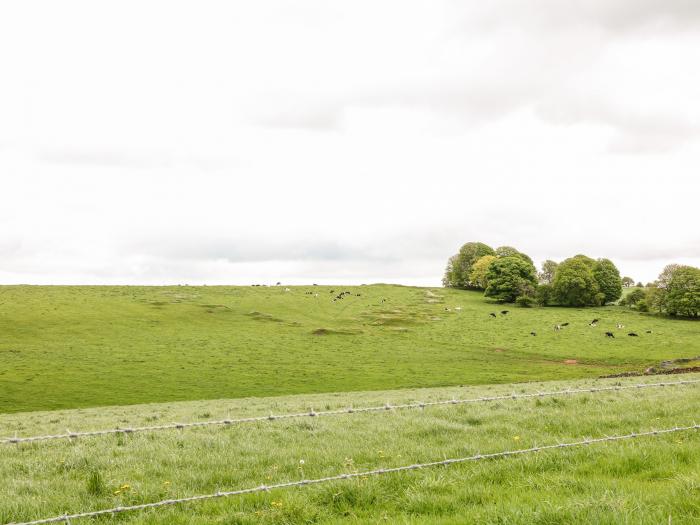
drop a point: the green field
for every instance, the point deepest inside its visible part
(85, 346)
(646, 480)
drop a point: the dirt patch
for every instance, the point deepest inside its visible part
(328, 331)
(260, 316)
(570, 362)
(655, 372)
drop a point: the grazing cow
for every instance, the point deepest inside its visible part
(533, 333)
(619, 325)
(632, 334)
(565, 324)
(593, 325)
(557, 327)
(594, 321)
(492, 314)
(357, 295)
(504, 312)
(609, 334)
(648, 331)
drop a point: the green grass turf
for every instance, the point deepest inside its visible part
(83, 346)
(648, 480)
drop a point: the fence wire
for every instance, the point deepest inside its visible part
(342, 411)
(376, 472)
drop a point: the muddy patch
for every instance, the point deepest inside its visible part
(328, 331)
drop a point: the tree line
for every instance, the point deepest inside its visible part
(507, 275)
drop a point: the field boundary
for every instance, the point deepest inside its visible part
(345, 411)
(265, 488)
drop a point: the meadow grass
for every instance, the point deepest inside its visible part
(83, 346)
(648, 480)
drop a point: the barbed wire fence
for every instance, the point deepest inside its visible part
(343, 411)
(66, 518)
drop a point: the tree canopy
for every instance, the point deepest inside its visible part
(549, 268)
(459, 267)
(575, 284)
(608, 278)
(683, 292)
(477, 277)
(510, 277)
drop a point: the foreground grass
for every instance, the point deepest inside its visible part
(67, 347)
(648, 480)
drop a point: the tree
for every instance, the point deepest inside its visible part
(509, 251)
(459, 266)
(633, 298)
(627, 282)
(451, 277)
(549, 268)
(575, 285)
(683, 292)
(608, 278)
(477, 277)
(510, 277)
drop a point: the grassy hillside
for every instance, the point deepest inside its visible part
(648, 480)
(66, 347)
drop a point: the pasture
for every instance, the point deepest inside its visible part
(644, 480)
(86, 346)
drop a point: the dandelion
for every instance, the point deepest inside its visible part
(301, 461)
(516, 438)
(277, 504)
(117, 492)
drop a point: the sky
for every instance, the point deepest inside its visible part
(170, 142)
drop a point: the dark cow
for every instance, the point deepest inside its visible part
(492, 314)
(504, 312)
(533, 333)
(609, 334)
(632, 334)
(565, 324)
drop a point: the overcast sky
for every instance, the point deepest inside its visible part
(343, 142)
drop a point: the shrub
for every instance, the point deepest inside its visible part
(525, 301)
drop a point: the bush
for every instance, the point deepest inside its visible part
(642, 306)
(525, 301)
(544, 295)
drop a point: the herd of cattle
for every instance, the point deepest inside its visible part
(592, 324)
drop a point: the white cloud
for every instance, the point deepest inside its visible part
(220, 142)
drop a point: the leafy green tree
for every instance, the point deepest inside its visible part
(544, 295)
(510, 277)
(451, 276)
(627, 282)
(683, 292)
(459, 266)
(509, 251)
(477, 277)
(608, 278)
(636, 295)
(549, 268)
(574, 283)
